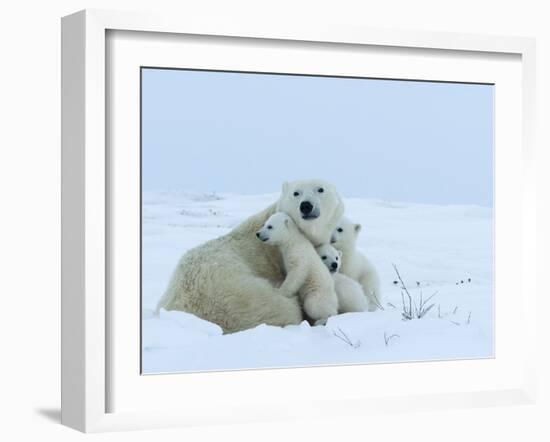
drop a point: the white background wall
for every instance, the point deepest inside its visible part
(30, 221)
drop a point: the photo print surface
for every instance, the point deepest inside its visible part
(295, 221)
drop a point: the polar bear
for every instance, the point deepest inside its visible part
(354, 264)
(305, 273)
(232, 280)
(351, 297)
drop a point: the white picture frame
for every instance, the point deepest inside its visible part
(87, 202)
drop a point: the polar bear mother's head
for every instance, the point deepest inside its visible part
(315, 207)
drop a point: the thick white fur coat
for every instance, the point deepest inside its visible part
(306, 275)
(233, 280)
(355, 264)
(348, 291)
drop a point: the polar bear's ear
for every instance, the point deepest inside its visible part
(357, 228)
(286, 222)
(340, 254)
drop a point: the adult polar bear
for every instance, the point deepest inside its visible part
(232, 280)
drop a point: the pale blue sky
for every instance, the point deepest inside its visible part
(247, 133)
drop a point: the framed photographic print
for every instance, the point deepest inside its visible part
(320, 215)
(398, 295)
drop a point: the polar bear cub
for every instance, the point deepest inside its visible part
(349, 292)
(305, 273)
(354, 264)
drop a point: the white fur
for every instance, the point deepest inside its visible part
(354, 263)
(327, 203)
(305, 273)
(349, 292)
(232, 280)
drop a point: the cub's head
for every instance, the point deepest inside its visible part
(277, 229)
(331, 257)
(315, 207)
(345, 234)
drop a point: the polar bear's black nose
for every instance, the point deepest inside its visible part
(306, 207)
(334, 265)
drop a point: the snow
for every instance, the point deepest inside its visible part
(443, 249)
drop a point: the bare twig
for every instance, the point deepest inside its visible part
(430, 297)
(401, 279)
(344, 337)
(376, 300)
(388, 338)
(469, 317)
(424, 311)
(420, 309)
(407, 314)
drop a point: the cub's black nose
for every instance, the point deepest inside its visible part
(257, 234)
(334, 265)
(306, 207)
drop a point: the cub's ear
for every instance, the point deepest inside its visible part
(357, 228)
(339, 253)
(286, 222)
(285, 186)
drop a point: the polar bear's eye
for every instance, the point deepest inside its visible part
(269, 227)
(336, 258)
(296, 193)
(320, 190)
(323, 257)
(340, 229)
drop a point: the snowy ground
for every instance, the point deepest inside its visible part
(436, 249)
